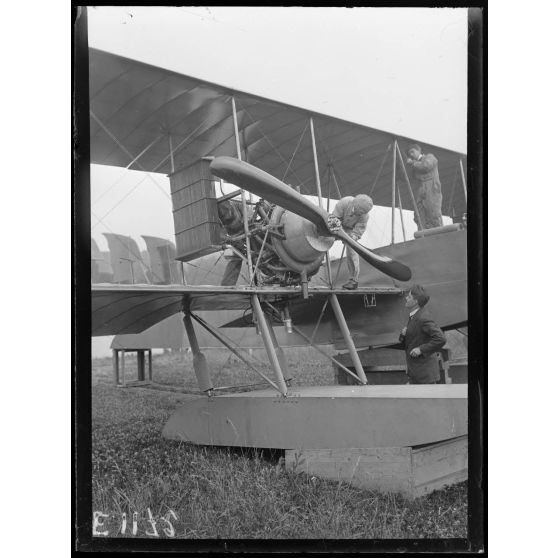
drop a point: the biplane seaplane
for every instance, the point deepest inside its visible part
(199, 134)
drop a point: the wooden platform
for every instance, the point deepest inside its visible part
(410, 471)
(325, 417)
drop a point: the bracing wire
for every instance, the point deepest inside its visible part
(213, 266)
(266, 138)
(115, 139)
(126, 168)
(294, 153)
(381, 169)
(100, 219)
(162, 162)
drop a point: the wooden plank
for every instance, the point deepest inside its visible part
(377, 357)
(395, 376)
(439, 464)
(458, 372)
(412, 472)
(141, 364)
(123, 374)
(135, 383)
(383, 469)
(317, 417)
(115, 366)
(387, 378)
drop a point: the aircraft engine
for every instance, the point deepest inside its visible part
(293, 248)
(302, 249)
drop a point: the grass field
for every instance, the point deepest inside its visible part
(186, 491)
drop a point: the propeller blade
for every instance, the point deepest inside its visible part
(268, 187)
(390, 267)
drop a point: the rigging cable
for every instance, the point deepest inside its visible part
(267, 139)
(179, 146)
(294, 153)
(115, 139)
(213, 267)
(381, 168)
(127, 167)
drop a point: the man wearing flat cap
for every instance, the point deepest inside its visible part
(353, 214)
(429, 196)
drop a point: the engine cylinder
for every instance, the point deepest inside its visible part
(303, 249)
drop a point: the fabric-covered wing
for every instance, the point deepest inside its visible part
(134, 308)
(136, 107)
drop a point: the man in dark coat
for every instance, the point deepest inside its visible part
(422, 338)
(429, 194)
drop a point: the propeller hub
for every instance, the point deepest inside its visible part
(302, 249)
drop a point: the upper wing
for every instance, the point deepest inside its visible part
(136, 107)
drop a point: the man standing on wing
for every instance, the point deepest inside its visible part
(353, 215)
(422, 338)
(429, 195)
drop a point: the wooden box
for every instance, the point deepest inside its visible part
(458, 371)
(197, 227)
(409, 471)
(381, 367)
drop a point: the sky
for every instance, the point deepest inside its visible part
(397, 69)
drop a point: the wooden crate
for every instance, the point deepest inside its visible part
(459, 371)
(381, 367)
(389, 367)
(409, 471)
(197, 227)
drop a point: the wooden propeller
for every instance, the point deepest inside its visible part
(268, 187)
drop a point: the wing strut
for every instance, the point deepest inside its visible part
(317, 347)
(270, 345)
(348, 339)
(200, 363)
(319, 187)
